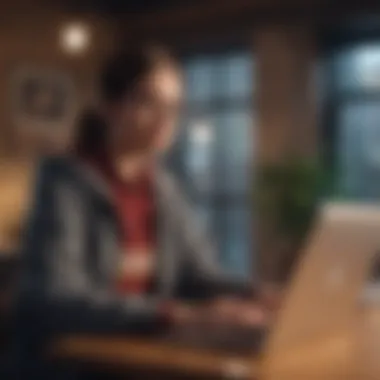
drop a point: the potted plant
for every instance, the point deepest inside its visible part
(286, 198)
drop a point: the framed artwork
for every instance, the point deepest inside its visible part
(43, 108)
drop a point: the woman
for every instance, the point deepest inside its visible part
(111, 240)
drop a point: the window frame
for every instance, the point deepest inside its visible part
(335, 100)
(221, 201)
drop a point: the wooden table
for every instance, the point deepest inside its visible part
(127, 353)
(350, 355)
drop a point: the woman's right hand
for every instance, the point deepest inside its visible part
(179, 313)
(222, 312)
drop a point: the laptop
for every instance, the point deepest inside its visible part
(322, 297)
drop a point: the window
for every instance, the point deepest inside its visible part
(214, 152)
(355, 96)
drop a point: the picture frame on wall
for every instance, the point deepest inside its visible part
(43, 105)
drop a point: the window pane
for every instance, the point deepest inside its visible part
(199, 77)
(236, 79)
(358, 147)
(215, 152)
(358, 68)
(200, 148)
(236, 252)
(236, 141)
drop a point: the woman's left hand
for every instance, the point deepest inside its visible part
(238, 312)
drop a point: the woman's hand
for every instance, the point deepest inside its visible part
(227, 311)
(236, 311)
(218, 313)
(183, 313)
(271, 297)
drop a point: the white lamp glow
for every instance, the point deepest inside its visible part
(201, 133)
(75, 38)
(368, 64)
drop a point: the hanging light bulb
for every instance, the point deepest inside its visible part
(75, 38)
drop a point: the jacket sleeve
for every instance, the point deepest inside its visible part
(204, 276)
(56, 281)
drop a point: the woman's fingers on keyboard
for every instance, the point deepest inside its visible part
(253, 315)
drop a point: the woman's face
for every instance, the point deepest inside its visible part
(146, 120)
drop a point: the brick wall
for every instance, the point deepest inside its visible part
(29, 36)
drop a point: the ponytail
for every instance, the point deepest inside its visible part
(91, 134)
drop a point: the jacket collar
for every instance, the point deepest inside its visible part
(92, 177)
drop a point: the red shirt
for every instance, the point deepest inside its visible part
(136, 211)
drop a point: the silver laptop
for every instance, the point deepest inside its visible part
(323, 294)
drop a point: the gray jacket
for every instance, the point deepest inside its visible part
(71, 251)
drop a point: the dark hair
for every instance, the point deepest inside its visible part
(118, 78)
